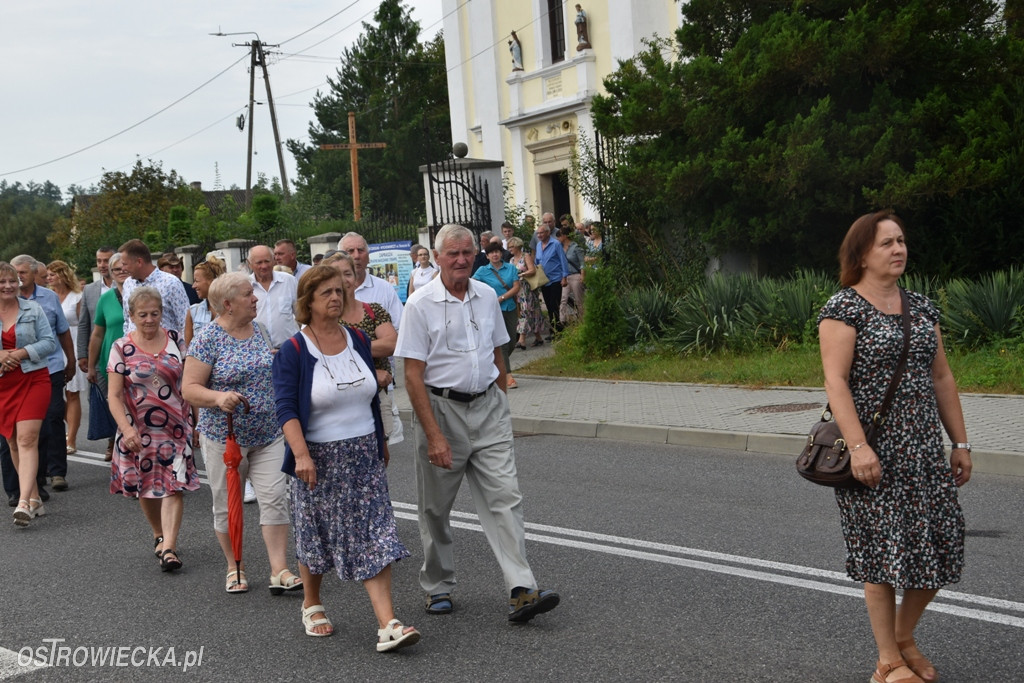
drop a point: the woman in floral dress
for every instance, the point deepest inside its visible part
(904, 528)
(531, 317)
(153, 447)
(326, 392)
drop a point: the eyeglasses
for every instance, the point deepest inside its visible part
(470, 339)
(342, 386)
(117, 271)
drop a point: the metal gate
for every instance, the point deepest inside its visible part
(457, 195)
(607, 152)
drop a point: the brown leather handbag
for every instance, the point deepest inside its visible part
(825, 458)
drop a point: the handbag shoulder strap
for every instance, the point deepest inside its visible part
(879, 416)
(500, 278)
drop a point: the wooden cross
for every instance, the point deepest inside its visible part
(353, 147)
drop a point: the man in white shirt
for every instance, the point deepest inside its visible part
(284, 255)
(275, 296)
(371, 289)
(455, 374)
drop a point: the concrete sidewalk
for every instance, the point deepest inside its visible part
(774, 420)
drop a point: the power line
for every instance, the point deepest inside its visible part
(164, 149)
(122, 132)
(344, 9)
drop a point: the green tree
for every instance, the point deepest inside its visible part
(27, 215)
(135, 204)
(397, 87)
(769, 126)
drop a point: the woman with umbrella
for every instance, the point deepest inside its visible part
(153, 457)
(327, 404)
(228, 361)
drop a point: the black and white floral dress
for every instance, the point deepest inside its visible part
(908, 531)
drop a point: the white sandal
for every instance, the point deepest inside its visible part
(310, 623)
(279, 585)
(394, 636)
(23, 513)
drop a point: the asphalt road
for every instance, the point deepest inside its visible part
(673, 563)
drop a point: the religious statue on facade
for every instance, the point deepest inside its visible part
(582, 34)
(516, 49)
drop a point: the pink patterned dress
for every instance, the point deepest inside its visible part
(152, 397)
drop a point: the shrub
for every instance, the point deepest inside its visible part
(604, 331)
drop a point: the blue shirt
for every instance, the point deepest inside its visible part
(50, 304)
(552, 259)
(508, 273)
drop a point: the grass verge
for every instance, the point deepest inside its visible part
(989, 371)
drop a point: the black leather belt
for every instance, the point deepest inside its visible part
(456, 395)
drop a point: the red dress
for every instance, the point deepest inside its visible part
(22, 396)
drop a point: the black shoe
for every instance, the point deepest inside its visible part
(525, 604)
(44, 495)
(12, 500)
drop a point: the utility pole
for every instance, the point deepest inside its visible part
(353, 147)
(273, 119)
(252, 104)
(257, 57)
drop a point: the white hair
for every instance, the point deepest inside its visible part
(451, 231)
(352, 234)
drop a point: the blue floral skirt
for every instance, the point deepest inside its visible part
(346, 522)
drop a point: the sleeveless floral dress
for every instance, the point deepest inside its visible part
(531, 318)
(908, 531)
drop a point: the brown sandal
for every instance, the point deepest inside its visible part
(918, 664)
(884, 670)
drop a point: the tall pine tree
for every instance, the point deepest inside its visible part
(397, 87)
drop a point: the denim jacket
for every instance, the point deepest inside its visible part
(32, 332)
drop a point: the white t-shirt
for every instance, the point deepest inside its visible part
(343, 387)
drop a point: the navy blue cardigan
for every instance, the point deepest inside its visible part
(293, 384)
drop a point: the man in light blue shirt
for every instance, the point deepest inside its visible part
(550, 255)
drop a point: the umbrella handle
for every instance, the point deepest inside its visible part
(231, 423)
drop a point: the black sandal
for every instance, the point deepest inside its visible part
(157, 541)
(440, 603)
(169, 565)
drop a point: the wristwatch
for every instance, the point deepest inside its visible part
(965, 446)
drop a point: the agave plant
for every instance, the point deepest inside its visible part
(991, 308)
(787, 308)
(648, 311)
(717, 314)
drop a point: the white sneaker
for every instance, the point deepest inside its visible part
(250, 493)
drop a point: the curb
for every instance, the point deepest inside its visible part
(986, 462)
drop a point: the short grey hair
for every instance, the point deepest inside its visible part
(355, 235)
(144, 293)
(114, 258)
(226, 286)
(451, 231)
(25, 260)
